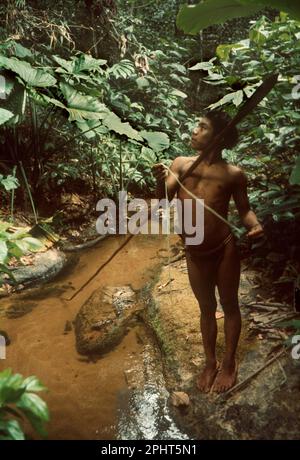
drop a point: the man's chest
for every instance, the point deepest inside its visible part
(206, 179)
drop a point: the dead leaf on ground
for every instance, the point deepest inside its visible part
(179, 398)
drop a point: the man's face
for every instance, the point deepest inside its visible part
(202, 134)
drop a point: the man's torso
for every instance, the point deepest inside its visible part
(214, 184)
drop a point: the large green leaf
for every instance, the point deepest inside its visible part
(114, 123)
(292, 7)
(82, 107)
(15, 96)
(122, 69)
(178, 93)
(13, 429)
(80, 63)
(33, 404)
(142, 82)
(66, 65)
(90, 128)
(21, 52)
(14, 390)
(202, 66)
(32, 383)
(36, 411)
(157, 141)
(9, 182)
(223, 51)
(5, 115)
(193, 18)
(11, 387)
(33, 244)
(30, 75)
(225, 100)
(111, 122)
(87, 62)
(148, 155)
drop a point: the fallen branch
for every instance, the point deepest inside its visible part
(267, 304)
(281, 318)
(165, 284)
(274, 304)
(265, 308)
(178, 257)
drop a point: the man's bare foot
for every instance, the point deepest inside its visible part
(226, 378)
(207, 377)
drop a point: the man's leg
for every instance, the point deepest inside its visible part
(228, 279)
(202, 276)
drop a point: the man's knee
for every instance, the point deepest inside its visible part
(208, 308)
(230, 306)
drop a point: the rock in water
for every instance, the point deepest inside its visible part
(103, 319)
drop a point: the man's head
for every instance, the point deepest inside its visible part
(209, 126)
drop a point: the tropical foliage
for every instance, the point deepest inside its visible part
(19, 402)
(84, 100)
(193, 18)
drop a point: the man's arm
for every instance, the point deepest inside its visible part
(240, 196)
(162, 175)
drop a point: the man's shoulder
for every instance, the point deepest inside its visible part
(183, 159)
(237, 174)
(179, 162)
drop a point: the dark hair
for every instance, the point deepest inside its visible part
(219, 121)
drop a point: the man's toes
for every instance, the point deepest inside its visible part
(216, 388)
(200, 386)
(205, 389)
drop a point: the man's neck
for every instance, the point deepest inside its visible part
(212, 157)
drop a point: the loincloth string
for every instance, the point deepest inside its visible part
(196, 251)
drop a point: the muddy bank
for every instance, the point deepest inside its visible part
(268, 405)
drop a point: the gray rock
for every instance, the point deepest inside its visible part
(45, 267)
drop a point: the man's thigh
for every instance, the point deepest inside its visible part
(203, 275)
(228, 275)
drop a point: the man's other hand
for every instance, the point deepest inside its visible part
(255, 232)
(159, 172)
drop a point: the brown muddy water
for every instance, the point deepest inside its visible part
(122, 394)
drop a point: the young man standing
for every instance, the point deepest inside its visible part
(216, 261)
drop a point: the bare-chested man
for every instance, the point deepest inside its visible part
(216, 261)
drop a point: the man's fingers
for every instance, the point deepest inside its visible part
(162, 176)
(159, 171)
(157, 165)
(255, 233)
